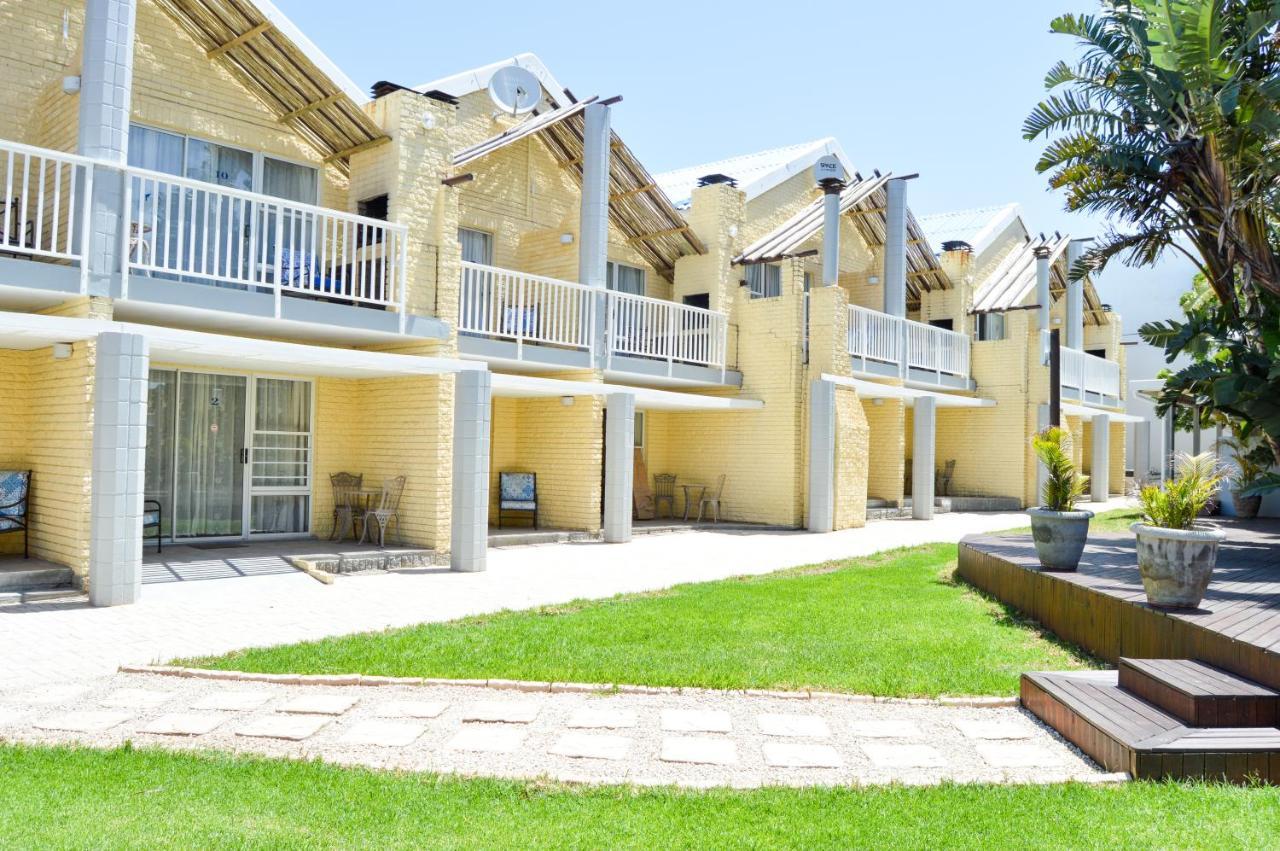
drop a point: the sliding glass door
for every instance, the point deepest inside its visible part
(229, 455)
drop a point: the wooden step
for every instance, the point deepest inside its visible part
(1123, 732)
(1200, 695)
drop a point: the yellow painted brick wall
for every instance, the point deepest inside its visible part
(565, 447)
(853, 460)
(33, 57)
(887, 448)
(1116, 480)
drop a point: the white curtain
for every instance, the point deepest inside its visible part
(764, 280)
(477, 246)
(625, 279)
(209, 477)
(281, 455)
(162, 411)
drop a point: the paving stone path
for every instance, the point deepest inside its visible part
(691, 739)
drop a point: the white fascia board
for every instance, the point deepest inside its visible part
(647, 398)
(476, 79)
(331, 70)
(875, 390)
(1088, 413)
(802, 162)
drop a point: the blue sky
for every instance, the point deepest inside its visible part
(934, 87)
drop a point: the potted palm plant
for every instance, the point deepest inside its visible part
(1175, 556)
(1059, 530)
(1253, 463)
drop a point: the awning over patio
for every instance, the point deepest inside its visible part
(177, 346)
(647, 398)
(875, 390)
(1089, 413)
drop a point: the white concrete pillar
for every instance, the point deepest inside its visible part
(619, 466)
(1043, 294)
(1075, 297)
(924, 416)
(831, 233)
(1142, 452)
(1100, 474)
(895, 248)
(822, 456)
(593, 219)
(119, 468)
(106, 86)
(469, 529)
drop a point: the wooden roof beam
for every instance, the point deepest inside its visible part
(311, 107)
(251, 33)
(639, 190)
(355, 149)
(641, 237)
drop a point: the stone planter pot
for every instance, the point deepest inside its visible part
(1060, 536)
(1176, 564)
(1247, 507)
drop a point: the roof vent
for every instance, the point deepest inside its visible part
(956, 245)
(712, 179)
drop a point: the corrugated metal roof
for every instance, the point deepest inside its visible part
(755, 173)
(979, 226)
(1013, 282)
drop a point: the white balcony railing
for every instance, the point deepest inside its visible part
(665, 330)
(1090, 374)
(905, 343)
(39, 212)
(509, 305)
(183, 228)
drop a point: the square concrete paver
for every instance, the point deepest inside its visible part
(696, 721)
(787, 755)
(903, 756)
(591, 746)
(488, 739)
(384, 734)
(233, 701)
(293, 728)
(615, 719)
(699, 750)
(185, 724)
(51, 694)
(87, 721)
(502, 711)
(411, 709)
(1017, 755)
(979, 728)
(137, 698)
(319, 704)
(800, 726)
(886, 729)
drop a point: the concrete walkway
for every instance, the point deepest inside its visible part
(52, 642)
(692, 738)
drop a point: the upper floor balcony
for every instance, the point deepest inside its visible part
(532, 321)
(892, 346)
(1087, 378)
(188, 247)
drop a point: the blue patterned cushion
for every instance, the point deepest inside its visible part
(9, 525)
(13, 489)
(520, 505)
(516, 486)
(151, 518)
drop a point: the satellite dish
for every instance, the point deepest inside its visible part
(515, 90)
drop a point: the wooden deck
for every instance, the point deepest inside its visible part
(1102, 606)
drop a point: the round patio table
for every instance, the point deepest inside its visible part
(359, 501)
(689, 499)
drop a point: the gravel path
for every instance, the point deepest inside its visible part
(689, 739)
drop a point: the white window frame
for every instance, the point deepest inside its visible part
(638, 436)
(611, 276)
(763, 290)
(486, 233)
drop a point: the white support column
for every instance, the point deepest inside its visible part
(895, 248)
(106, 86)
(472, 403)
(619, 466)
(924, 416)
(1142, 452)
(1075, 297)
(831, 232)
(822, 456)
(1100, 473)
(1043, 295)
(119, 469)
(593, 219)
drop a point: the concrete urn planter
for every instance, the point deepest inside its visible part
(1247, 507)
(1060, 536)
(1176, 564)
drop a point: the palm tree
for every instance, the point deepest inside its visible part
(1168, 124)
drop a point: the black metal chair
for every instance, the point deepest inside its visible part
(153, 518)
(15, 491)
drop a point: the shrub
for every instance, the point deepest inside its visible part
(1063, 485)
(1179, 502)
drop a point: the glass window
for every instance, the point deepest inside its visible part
(764, 280)
(477, 246)
(219, 164)
(991, 326)
(625, 279)
(288, 180)
(155, 150)
(639, 430)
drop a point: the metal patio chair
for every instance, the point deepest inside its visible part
(664, 490)
(345, 487)
(153, 518)
(712, 501)
(15, 491)
(387, 512)
(518, 492)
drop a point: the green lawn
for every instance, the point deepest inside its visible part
(58, 798)
(894, 624)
